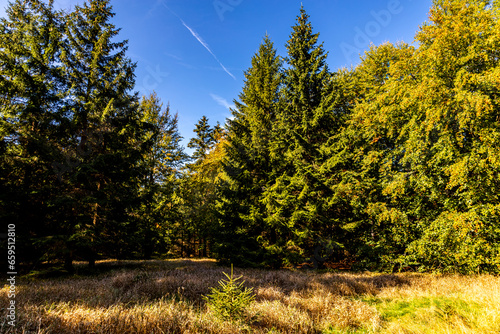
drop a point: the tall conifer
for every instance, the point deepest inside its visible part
(33, 126)
(243, 236)
(162, 161)
(106, 124)
(295, 200)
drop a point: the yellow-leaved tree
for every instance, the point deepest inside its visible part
(431, 134)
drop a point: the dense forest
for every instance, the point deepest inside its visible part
(390, 165)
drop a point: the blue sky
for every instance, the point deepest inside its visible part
(193, 52)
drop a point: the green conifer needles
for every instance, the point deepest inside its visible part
(231, 299)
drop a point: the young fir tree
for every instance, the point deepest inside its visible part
(296, 201)
(33, 126)
(106, 131)
(242, 235)
(231, 299)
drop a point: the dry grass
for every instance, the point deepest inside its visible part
(165, 297)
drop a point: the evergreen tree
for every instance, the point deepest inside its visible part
(297, 209)
(106, 126)
(166, 155)
(162, 161)
(203, 141)
(198, 190)
(242, 236)
(33, 126)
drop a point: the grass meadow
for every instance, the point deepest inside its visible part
(166, 297)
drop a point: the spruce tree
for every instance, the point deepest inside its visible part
(106, 126)
(296, 204)
(162, 162)
(197, 189)
(33, 127)
(203, 141)
(166, 154)
(242, 235)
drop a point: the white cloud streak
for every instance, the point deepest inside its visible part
(200, 40)
(222, 101)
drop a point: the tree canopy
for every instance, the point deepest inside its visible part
(391, 165)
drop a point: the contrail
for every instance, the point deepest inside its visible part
(199, 39)
(222, 101)
(195, 34)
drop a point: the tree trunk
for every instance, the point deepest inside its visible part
(68, 262)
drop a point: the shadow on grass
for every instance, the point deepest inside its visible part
(127, 289)
(129, 281)
(82, 269)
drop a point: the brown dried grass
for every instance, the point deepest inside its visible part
(166, 297)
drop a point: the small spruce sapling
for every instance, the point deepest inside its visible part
(230, 300)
